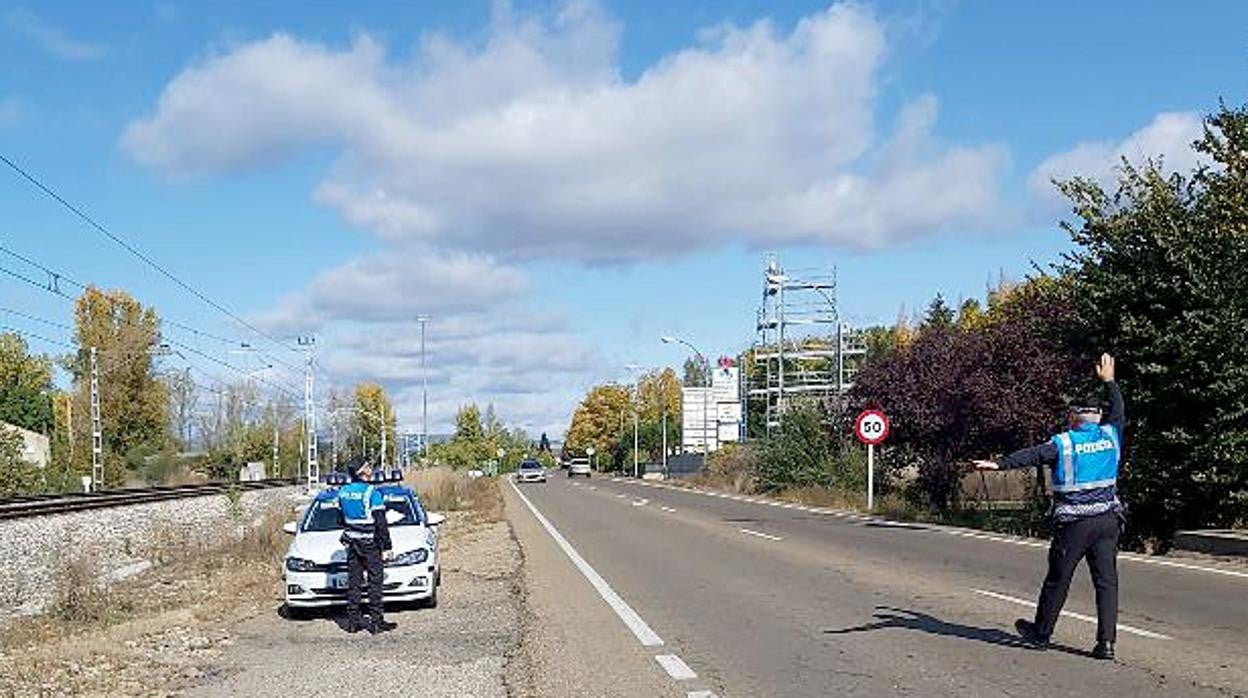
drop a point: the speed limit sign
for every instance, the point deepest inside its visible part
(871, 427)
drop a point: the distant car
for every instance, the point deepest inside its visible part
(579, 466)
(530, 471)
(316, 562)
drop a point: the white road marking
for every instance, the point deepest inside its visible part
(768, 536)
(700, 694)
(668, 510)
(675, 667)
(1077, 616)
(621, 495)
(640, 502)
(592, 487)
(965, 533)
(640, 629)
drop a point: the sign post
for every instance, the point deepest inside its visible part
(871, 428)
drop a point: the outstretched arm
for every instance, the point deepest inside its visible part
(1030, 457)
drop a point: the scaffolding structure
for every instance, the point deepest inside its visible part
(803, 350)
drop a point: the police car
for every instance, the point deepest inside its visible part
(316, 562)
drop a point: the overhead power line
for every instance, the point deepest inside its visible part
(53, 285)
(139, 254)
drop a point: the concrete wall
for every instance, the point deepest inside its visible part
(122, 541)
(36, 449)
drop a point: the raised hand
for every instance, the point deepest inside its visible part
(1105, 368)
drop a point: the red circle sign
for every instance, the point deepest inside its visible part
(871, 427)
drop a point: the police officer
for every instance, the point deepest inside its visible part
(1086, 511)
(367, 539)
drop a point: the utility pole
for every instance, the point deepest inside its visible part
(424, 390)
(664, 437)
(97, 429)
(309, 410)
(383, 435)
(277, 469)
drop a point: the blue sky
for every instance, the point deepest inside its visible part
(558, 184)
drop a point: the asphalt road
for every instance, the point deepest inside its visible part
(763, 600)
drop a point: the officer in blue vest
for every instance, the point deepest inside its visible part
(1086, 512)
(367, 539)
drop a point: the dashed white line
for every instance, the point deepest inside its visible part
(964, 533)
(675, 667)
(701, 694)
(759, 534)
(592, 487)
(640, 502)
(1077, 616)
(640, 629)
(668, 510)
(621, 496)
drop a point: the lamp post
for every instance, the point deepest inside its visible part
(635, 370)
(424, 390)
(706, 397)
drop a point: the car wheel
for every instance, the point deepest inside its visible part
(294, 612)
(432, 601)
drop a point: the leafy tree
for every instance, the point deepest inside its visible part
(16, 475)
(183, 399)
(133, 401)
(599, 420)
(697, 372)
(374, 412)
(468, 423)
(1160, 282)
(939, 314)
(25, 386)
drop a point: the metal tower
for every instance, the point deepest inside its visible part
(97, 428)
(309, 411)
(803, 350)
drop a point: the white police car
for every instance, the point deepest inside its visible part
(316, 562)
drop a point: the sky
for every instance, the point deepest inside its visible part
(558, 184)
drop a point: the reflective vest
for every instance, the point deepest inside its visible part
(1085, 478)
(357, 502)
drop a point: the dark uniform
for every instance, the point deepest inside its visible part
(1087, 517)
(365, 536)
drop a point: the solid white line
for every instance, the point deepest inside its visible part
(675, 667)
(1077, 616)
(965, 533)
(640, 629)
(768, 536)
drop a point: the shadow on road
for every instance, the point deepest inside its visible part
(889, 617)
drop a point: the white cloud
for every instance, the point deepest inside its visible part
(51, 38)
(1167, 137)
(532, 145)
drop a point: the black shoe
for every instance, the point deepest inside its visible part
(1027, 630)
(381, 626)
(353, 625)
(1103, 650)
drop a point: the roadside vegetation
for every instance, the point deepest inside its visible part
(1155, 277)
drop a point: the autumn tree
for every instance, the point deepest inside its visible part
(599, 419)
(25, 386)
(373, 412)
(133, 402)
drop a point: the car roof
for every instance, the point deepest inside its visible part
(387, 490)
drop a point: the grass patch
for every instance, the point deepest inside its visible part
(443, 489)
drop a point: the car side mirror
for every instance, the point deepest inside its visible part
(435, 519)
(393, 517)
(289, 527)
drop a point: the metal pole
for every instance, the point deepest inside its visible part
(383, 436)
(870, 477)
(635, 442)
(665, 440)
(309, 412)
(97, 428)
(424, 390)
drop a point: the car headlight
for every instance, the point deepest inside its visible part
(411, 557)
(298, 564)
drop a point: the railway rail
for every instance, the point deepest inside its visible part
(46, 504)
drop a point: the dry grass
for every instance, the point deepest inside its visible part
(443, 489)
(151, 633)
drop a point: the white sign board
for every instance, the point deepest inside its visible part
(698, 420)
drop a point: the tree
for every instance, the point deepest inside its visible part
(1159, 273)
(468, 423)
(697, 372)
(183, 399)
(373, 412)
(133, 403)
(600, 419)
(939, 314)
(25, 386)
(16, 475)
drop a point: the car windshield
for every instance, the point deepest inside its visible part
(325, 515)
(530, 465)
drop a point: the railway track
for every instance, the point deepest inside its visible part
(45, 504)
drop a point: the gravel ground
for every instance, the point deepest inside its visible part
(461, 648)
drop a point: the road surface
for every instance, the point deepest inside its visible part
(757, 599)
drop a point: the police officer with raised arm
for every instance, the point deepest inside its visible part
(367, 539)
(1086, 511)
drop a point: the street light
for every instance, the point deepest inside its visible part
(635, 369)
(424, 390)
(706, 397)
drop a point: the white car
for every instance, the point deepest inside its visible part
(579, 466)
(316, 562)
(530, 471)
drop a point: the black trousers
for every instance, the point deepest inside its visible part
(1095, 539)
(363, 555)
